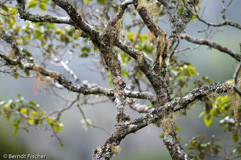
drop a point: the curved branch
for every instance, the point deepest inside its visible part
(120, 14)
(78, 20)
(85, 89)
(151, 25)
(214, 45)
(122, 130)
(37, 18)
(224, 23)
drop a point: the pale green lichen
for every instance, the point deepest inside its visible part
(151, 7)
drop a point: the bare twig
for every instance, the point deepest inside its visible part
(214, 45)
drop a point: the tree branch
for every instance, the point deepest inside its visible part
(214, 45)
(37, 18)
(121, 131)
(79, 21)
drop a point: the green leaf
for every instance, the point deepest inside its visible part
(32, 4)
(50, 25)
(59, 31)
(16, 123)
(27, 72)
(15, 75)
(8, 117)
(130, 36)
(57, 127)
(84, 55)
(24, 111)
(26, 129)
(12, 11)
(42, 6)
(150, 104)
(193, 18)
(86, 1)
(124, 73)
(15, 131)
(235, 137)
(206, 79)
(208, 119)
(180, 11)
(49, 120)
(177, 128)
(26, 51)
(202, 113)
(32, 103)
(162, 136)
(30, 121)
(5, 8)
(12, 21)
(101, 1)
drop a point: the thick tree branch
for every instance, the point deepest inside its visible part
(121, 131)
(84, 89)
(172, 143)
(147, 20)
(37, 18)
(214, 45)
(79, 21)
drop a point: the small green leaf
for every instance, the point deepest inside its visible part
(84, 55)
(61, 144)
(16, 123)
(12, 11)
(48, 119)
(208, 119)
(177, 128)
(26, 51)
(8, 117)
(130, 36)
(27, 72)
(57, 127)
(26, 129)
(180, 11)
(30, 121)
(5, 8)
(50, 25)
(202, 113)
(15, 131)
(24, 111)
(101, 1)
(124, 73)
(150, 104)
(32, 103)
(32, 4)
(162, 136)
(235, 137)
(193, 18)
(15, 75)
(42, 6)
(59, 31)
